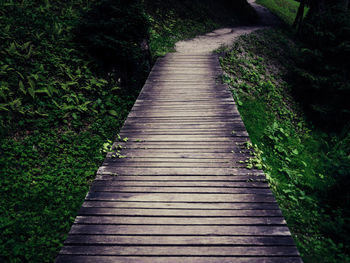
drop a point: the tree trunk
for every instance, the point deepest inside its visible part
(300, 15)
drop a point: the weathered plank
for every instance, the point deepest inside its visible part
(144, 220)
(101, 211)
(172, 259)
(171, 183)
(180, 230)
(171, 189)
(179, 205)
(125, 163)
(180, 240)
(182, 250)
(176, 197)
(116, 170)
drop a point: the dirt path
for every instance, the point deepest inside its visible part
(209, 42)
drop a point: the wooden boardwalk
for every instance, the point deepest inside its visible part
(182, 193)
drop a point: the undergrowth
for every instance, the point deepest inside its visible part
(304, 165)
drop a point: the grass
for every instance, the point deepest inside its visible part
(298, 159)
(46, 174)
(284, 9)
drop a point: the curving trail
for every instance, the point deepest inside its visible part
(206, 44)
(181, 194)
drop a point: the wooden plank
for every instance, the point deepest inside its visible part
(139, 151)
(171, 189)
(123, 163)
(144, 109)
(183, 71)
(158, 156)
(171, 183)
(177, 205)
(237, 142)
(166, 197)
(194, 178)
(182, 250)
(187, 146)
(180, 102)
(175, 96)
(115, 170)
(180, 240)
(213, 133)
(160, 105)
(133, 220)
(198, 125)
(178, 114)
(140, 154)
(178, 106)
(183, 86)
(173, 136)
(101, 211)
(167, 259)
(217, 132)
(203, 120)
(188, 138)
(185, 64)
(159, 91)
(194, 103)
(229, 160)
(180, 230)
(155, 153)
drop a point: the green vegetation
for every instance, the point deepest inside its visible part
(57, 110)
(285, 9)
(306, 167)
(69, 74)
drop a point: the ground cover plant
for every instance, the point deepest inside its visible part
(57, 109)
(306, 166)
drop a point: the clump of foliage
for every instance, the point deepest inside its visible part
(115, 33)
(56, 111)
(306, 167)
(45, 176)
(43, 75)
